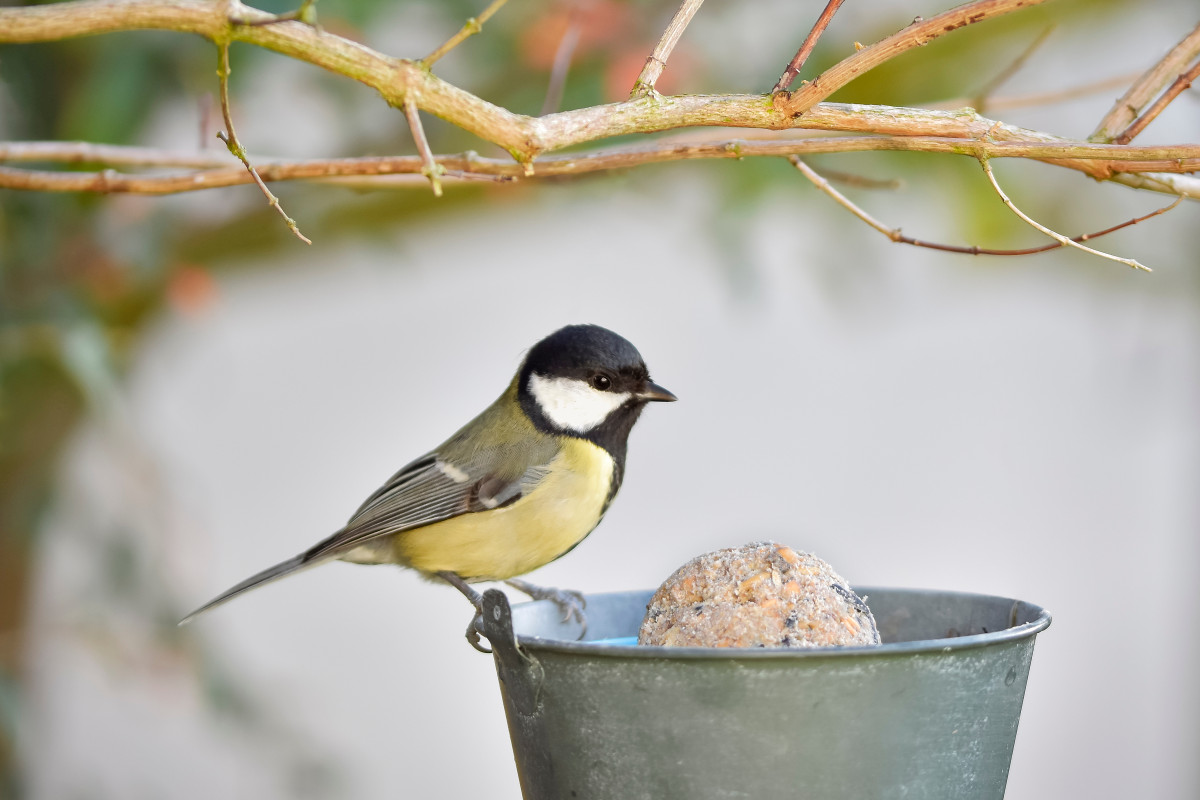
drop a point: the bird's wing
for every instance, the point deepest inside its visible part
(430, 490)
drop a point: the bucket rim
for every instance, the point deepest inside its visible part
(1039, 620)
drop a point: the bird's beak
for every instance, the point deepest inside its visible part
(654, 392)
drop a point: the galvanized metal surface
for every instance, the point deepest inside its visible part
(931, 713)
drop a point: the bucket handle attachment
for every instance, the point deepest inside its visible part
(519, 671)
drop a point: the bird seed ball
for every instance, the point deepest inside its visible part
(758, 595)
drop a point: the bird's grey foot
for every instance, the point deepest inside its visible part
(476, 625)
(570, 602)
(473, 630)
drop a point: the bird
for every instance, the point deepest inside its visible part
(515, 488)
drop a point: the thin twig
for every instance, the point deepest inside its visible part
(911, 129)
(1129, 158)
(429, 167)
(207, 121)
(985, 92)
(306, 13)
(1134, 173)
(111, 154)
(1058, 237)
(657, 61)
(920, 33)
(407, 181)
(1181, 84)
(794, 66)
(894, 234)
(229, 137)
(1126, 109)
(861, 181)
(1006, 103)
(464, 175)
(562, 62)
(473, 26)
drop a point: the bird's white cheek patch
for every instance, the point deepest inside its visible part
(572, 404)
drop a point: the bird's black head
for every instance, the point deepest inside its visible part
(587, 381)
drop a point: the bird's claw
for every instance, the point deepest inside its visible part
(570, 602)
(476, 626)
(473, 631)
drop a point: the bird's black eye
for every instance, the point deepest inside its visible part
(602, 382)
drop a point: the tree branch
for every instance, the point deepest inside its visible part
(473, 26)
(894, 234)
(1005, 103)
(397, 79)
(429, 168)
(806, 47)
(981, 101)
(405, 83)
(562, 62)
(1058, 237)
(657, 61)
(469, 164)
(229, 137)
(1126, 110)
(1181, 84)
(920, 33)
(1127, 158)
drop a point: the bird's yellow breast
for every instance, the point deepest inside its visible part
(518, 538)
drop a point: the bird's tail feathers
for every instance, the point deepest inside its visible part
(269, 575)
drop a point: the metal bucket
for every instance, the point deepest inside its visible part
(930, 713)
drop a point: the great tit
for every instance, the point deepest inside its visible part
(516, 488)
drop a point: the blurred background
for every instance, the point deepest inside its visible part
(188, 394)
